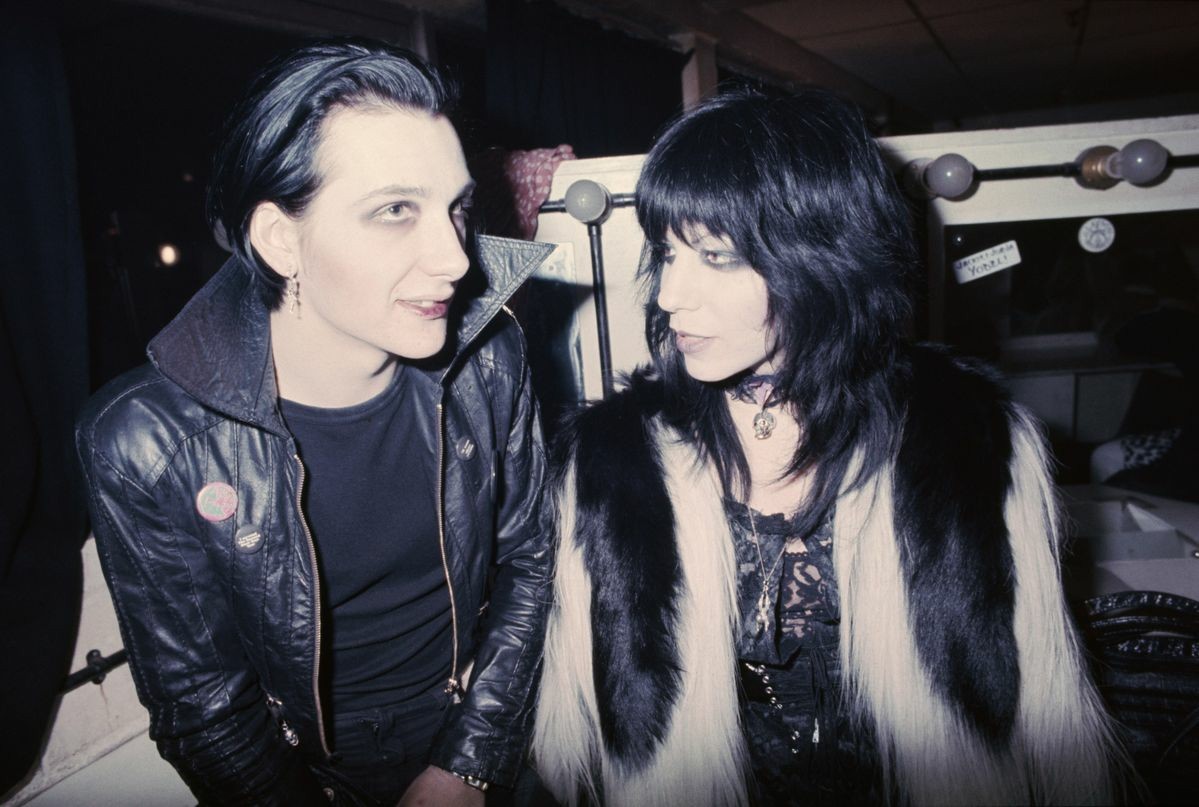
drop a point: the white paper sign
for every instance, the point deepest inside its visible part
(987, 262)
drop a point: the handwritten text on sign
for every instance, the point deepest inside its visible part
(987, 262)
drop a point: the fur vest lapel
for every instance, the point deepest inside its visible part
(639, 698)
(954, 638)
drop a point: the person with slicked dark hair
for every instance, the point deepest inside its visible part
(801, 560)
(319, 506)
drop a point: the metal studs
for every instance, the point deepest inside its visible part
(465, 447)
(289, 734)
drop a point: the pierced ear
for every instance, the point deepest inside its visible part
(272, 234)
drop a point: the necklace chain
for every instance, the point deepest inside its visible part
(762, 618)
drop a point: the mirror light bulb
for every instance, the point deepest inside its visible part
(588, 201)
(950, 176)
(1141, 162)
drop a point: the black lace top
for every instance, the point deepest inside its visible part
(803, 747)
(800, 592)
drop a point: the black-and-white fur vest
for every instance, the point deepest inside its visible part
(955, 639)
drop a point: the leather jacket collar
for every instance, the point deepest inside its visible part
(217, 349)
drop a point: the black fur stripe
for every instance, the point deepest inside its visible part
(626, 531)
(951, 481)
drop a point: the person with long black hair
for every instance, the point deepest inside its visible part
(802, 560)
(319, 506)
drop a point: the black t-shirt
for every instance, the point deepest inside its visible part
(370, 501)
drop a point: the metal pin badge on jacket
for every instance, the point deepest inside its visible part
(248, 539)
(465, 447)
(216, 501)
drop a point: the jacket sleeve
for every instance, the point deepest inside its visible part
(208, 713)
(489, 732)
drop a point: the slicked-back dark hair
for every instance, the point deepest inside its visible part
(800, 189)
(268, 147)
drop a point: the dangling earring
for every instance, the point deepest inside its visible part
(291, 293)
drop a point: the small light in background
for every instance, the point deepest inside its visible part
(168, 254)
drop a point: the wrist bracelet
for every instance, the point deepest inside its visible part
(472, 781)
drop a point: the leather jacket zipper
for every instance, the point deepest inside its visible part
(275, 707)
(453, 687)
(316, 612)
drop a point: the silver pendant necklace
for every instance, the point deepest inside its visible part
(763, 424)
(762, 619)
(756, 389)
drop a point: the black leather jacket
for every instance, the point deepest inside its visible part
(224, 636)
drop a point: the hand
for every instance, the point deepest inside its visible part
(435, 787)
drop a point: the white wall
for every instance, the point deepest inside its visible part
(622, 242)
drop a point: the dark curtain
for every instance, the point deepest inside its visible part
(43, 381)
(149, 93)
(554, 78)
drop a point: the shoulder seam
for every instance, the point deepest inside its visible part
(169, 451)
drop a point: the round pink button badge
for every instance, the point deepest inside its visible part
(216, 501)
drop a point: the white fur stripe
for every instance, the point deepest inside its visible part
(566, 738)
(1062, 729)
(1061, 745)
(925, 750)
(702, 759)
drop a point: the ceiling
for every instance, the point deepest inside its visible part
(914, 65)
(956, 63)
